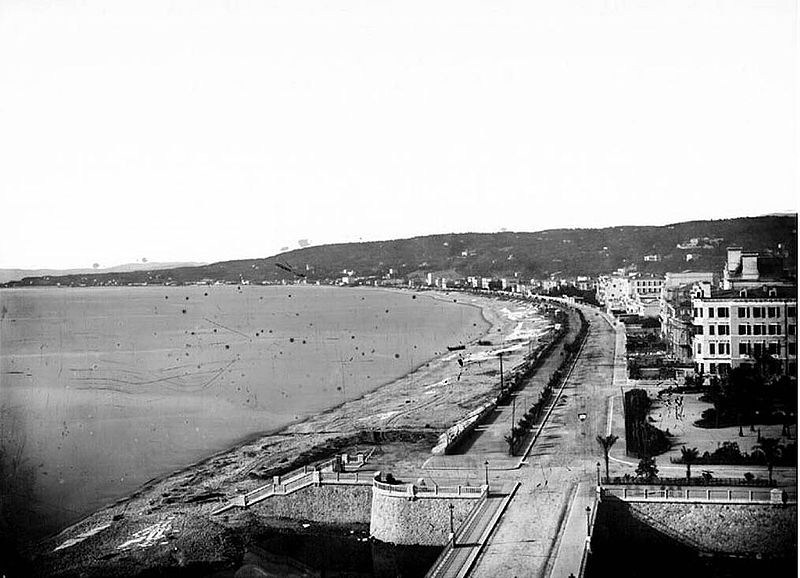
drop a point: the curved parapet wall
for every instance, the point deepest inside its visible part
(416, 515)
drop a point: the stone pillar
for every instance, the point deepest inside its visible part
(776, 496)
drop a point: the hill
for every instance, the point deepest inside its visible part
(697, 245)
(18, 274)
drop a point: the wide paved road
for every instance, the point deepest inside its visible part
(527, 539)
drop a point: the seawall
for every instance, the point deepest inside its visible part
(341, 505)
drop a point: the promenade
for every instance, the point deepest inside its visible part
(542, 531)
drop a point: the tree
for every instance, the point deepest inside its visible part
(606, 442)
(689, 457)
(647, 468)
(770, 450)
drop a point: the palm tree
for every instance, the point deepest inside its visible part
(647, 468)
(768, 447)
(689, 457)
(606, 442)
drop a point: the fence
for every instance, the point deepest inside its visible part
(414, 491)
(697, 495)
(322, 473)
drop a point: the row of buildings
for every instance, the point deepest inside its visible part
(711, 321)
(715, 322)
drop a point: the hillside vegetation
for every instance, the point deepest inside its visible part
(567, 252)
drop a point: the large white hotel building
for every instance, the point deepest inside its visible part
(738, 326)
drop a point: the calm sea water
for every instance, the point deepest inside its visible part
(102, 389)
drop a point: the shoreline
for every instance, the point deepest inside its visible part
(272, 424)
(241, 466)
(281, 430)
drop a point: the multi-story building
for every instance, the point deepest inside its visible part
(687, 278)
(736, 327)
(675, 311)
(676, 322)
(612, 292)
(646, 286)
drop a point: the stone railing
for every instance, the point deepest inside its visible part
(413, 491)
(698, 495)
(332, 471)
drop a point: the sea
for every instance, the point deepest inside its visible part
(103, 389)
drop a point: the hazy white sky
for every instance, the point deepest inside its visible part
(216, 130)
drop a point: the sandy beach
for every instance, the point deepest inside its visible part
(414, 408)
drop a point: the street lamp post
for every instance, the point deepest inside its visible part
(500, 355)
(598, 473)
(588, 521)
(452, 530)
(486, 472)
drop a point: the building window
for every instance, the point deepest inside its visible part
(712, 349)
(711, 330)
(723, 330)
(712, 368)
(792, 349)
(771, 311)
(756, 349)
(699, 349)
(743, 330)
(774, 348)
(710, 312)
(744, 312)
(757, 312)
(743, 347)
(791, 329)
(757, 330)
(722, 312)
(791, 311)
(698, 329)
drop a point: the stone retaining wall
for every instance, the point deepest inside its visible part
(734, 529)
(328, 504)
(422, 521)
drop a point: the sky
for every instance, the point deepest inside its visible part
(205, 131)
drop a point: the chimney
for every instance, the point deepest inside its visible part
(749, 266)
(734, 259)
